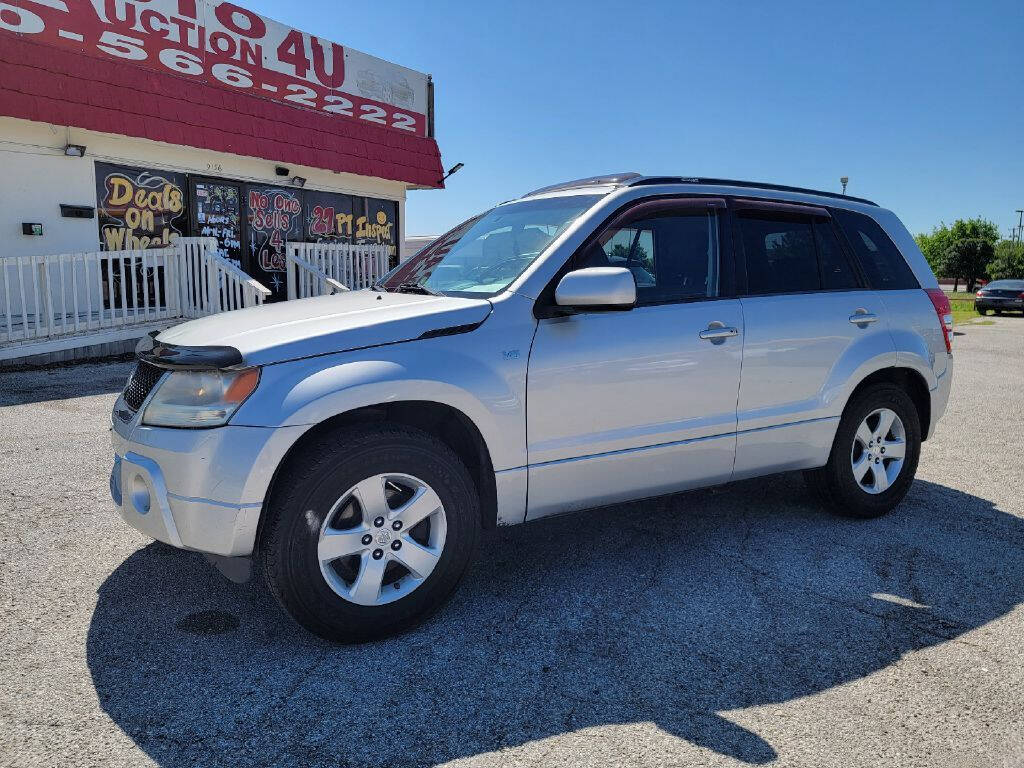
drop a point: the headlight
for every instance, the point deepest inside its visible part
(199, 398)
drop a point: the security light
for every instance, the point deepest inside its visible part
(298, 181)
(75, 150)
(454, 169)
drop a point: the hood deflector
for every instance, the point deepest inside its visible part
(180, 357)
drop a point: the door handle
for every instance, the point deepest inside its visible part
(863, 317)
(716, 331)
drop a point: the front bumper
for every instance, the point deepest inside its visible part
(200, 489)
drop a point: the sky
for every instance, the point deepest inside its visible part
(920, 104)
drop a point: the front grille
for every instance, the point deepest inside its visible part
(140, 384)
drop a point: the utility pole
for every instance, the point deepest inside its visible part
(1018, 231)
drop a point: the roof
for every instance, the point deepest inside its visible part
(62, 87)
(630, 179)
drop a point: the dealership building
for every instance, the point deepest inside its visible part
(129, 125)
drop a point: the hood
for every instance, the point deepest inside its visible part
(289, 330)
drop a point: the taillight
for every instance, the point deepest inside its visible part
(1020, 295)
(945, 313)
(979, 294)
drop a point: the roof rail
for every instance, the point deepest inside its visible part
(590, 181)
(648, 180)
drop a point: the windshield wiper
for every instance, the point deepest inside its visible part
(415, 288)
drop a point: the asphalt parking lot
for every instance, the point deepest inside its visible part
(739, 625)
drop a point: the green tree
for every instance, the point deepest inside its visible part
(1008, 261)
(975, 229)
(943, 240)
(934, 246)
(968, 258)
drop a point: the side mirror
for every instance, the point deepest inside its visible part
(597, 288)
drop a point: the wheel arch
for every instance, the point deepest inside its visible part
(911, 382)
(443, 421)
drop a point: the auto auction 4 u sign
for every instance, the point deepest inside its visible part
(231, 47)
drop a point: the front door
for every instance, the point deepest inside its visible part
(627, 404)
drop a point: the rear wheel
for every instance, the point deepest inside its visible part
(874, 455)
(369, 531)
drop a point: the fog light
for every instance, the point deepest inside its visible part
(140, 494)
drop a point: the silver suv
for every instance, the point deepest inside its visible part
(613, 338)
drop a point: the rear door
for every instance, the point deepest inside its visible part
(809, 321)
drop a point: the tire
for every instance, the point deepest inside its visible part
(304, 510)
(836, 485)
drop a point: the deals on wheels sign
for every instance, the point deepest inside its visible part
(231, 47)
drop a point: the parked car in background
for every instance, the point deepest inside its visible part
(1000, 296)
(593, 342)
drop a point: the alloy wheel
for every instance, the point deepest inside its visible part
(878, 452)
(381, 539)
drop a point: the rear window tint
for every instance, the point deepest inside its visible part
(881, 260)
(836, 272)
(780, 253)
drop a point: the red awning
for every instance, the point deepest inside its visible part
(63, 87)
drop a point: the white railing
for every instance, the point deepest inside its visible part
(352, 266)
(212, 284)
(305, 279)
(49, 296)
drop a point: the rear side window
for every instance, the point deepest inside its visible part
(780, 253)
(836, 271)
(881, 260)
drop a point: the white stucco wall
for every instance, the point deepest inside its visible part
(36, 176)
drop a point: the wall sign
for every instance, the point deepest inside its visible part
(218, 214)
(275, 219)
(233, 48)
(380, 226)
(330, 217)
(139, 208)
(252, 223)
(347, 219)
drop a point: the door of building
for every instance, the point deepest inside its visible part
(217, 213)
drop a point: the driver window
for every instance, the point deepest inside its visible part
(633, 248)
(673, 257)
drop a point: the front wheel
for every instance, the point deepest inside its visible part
(874, 455)
(369, 531)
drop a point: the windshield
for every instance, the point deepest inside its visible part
(484, 255)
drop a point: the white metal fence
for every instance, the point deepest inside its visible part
(306, 280)
(51, 301)
(51, 296)
(332, 264)
(211, 283)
